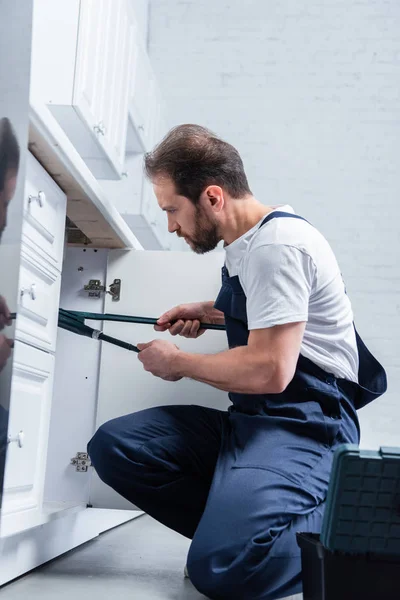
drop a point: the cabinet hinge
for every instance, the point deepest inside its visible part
(95, 288)
(81, 462)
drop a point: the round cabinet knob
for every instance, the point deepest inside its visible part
(31, 291)
(40, 199)
(19, 439)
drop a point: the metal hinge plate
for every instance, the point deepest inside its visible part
(81, 462)
(95, 288)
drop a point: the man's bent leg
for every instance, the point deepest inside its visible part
(265, 489)
(162, 460)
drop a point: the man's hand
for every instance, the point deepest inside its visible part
(158, 357)
(185, 319)
(5, 316)
(5, 350)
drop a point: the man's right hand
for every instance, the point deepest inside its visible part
(185, 319)
(5, 349)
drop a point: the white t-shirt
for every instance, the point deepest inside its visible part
(289, 274)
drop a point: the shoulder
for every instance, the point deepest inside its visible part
(274, 260)
(289, 232)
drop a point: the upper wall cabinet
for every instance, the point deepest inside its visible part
(83, 58)
(144, 104)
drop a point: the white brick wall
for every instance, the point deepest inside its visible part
(309, 92)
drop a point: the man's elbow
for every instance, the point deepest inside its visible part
(277, 382)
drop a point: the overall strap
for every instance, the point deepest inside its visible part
(280, 213)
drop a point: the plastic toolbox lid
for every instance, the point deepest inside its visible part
(362, 512)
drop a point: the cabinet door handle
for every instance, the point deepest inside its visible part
(30, 290)
(141, 127)
(100, 128)
(40, 199)
(20, 438)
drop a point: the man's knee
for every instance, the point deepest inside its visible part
(219, 578)
(250, 573)
(102, 451)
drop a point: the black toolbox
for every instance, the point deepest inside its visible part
(357, 554)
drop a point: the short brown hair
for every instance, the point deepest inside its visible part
(194, 157)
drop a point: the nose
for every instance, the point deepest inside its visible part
(172, 225)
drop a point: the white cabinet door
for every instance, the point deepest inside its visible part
(118, 78)
(144, 103)
(153, 282)
(90, 68)
(103, 72)
(81, 68)
(28, 429)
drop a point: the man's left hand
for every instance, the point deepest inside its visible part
(158, 357)
(5, 316)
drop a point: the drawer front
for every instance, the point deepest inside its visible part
(39, 293)
(44, 213)
(27, 428)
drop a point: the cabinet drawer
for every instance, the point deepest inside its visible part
(27, 428)
(39, 292)
(44, 213)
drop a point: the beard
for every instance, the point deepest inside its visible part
(205, 237)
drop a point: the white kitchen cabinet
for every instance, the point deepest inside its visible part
(42, 249)
(28, 432)
(91, 387)
(145, 104)
(44, 214)
(153, 282)
(154, 234)
(135, 199)
(82, 60)
(39, 285)
(41, 256)
(85, 55)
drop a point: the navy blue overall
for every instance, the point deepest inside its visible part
(240, 483)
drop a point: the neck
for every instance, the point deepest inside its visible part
(241, 216)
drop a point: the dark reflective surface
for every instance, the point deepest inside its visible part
(9, 165)
(15, 55)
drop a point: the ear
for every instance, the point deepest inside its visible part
(214, 195)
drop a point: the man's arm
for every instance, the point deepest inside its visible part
(214, 315)
(265, 366)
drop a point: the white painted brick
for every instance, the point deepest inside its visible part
(309, 93)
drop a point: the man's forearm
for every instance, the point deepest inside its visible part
(237, 370)
(216, 317)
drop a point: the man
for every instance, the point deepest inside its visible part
(9, 163)
(6, 344)
(241, 483)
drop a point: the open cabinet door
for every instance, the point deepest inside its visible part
(152, 283)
